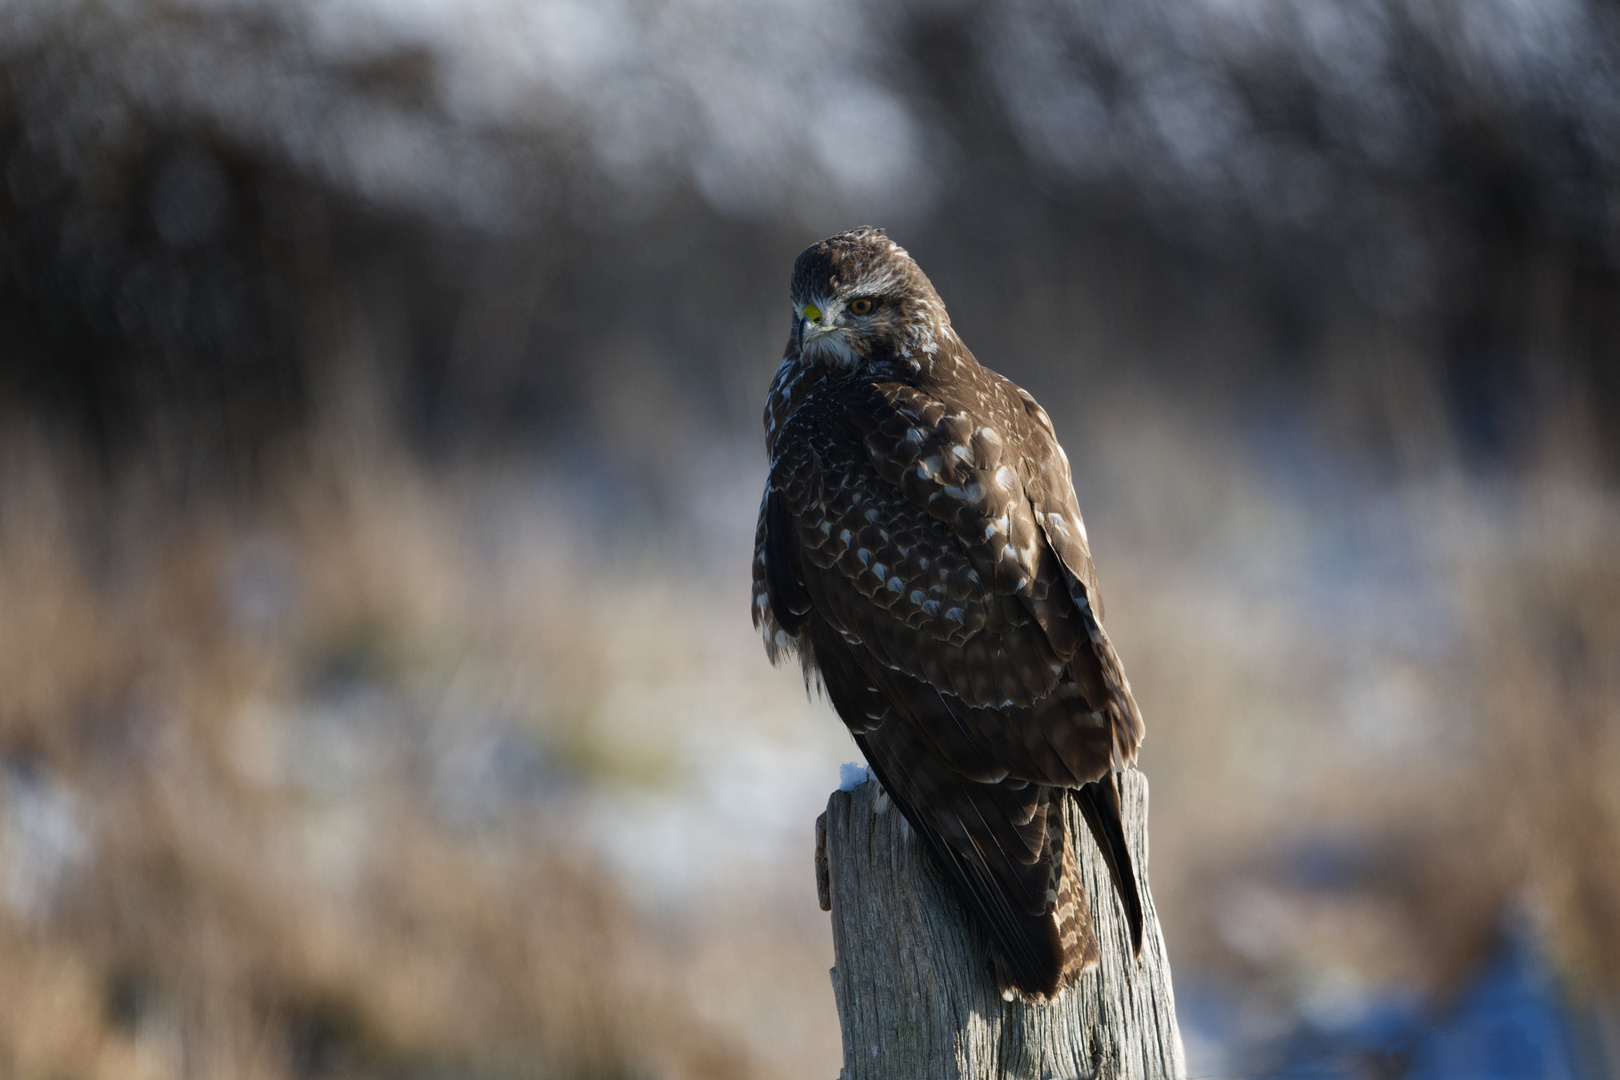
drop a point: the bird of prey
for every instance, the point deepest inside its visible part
(920, 549)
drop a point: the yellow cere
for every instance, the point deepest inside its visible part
(812, 312)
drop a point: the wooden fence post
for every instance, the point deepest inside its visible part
(917, 997)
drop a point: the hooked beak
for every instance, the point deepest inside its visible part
(811, 325)
(813, 321)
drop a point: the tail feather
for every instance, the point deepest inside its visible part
(1076, 930)
(1099, 802)
(1034, 950)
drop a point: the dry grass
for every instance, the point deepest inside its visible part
(1546, 613)
(222, 857)
(242, 837)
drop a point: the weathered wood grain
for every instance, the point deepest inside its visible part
(917, 996)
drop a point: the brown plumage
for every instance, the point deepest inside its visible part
(921, 549)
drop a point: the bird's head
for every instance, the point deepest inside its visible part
(857, 297)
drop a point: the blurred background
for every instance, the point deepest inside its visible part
(380, 385)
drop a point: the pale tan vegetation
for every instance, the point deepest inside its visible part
(220, 856)
(230, 847)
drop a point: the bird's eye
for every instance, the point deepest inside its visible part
(863, 306)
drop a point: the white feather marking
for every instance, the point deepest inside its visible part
(963, 454)
(1006, 479)
(833, 347)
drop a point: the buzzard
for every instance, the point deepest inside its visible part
(920, 549)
